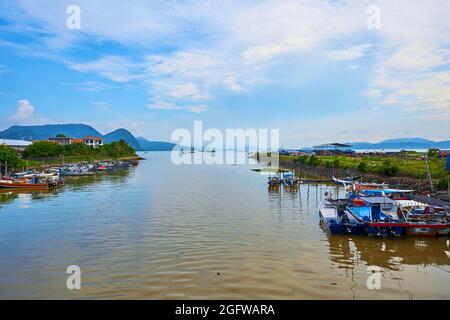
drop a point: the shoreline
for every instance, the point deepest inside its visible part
(45, 164)
(421, 185)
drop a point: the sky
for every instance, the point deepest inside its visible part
(319, 71)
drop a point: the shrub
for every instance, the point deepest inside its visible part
(314, 161)
(78, 150)
(9, 156)
(46, 149)
(43, 149)
(363, 166)
(117, 150)
(388, 168)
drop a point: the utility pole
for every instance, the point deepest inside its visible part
(428, 173)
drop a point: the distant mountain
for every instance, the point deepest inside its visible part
(122, 134)
(43, 132)
(402, 143)
(407, 140)
(155, 145)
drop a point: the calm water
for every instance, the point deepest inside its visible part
(161, 231)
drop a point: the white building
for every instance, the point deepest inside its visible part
(93, 142)
(18, 145)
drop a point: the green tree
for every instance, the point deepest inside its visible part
(43, 149)
(9, 156)
(433, 153)
(116, 150)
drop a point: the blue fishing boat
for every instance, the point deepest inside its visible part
(336, 220)
(290, 180)
(376, 212)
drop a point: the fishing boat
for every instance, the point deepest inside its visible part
(382, 212)
(345, 181)
(290, 180)
(334, 218)
(22, 184)
(274, 181)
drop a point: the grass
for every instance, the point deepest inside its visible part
(408, 164)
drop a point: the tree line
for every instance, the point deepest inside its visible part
(48, 149)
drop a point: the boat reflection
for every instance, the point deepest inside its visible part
(390, 253)
(71, 184)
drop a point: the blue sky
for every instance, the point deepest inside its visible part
(312, 69)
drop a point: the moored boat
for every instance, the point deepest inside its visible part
(23, 184)
(383, 212)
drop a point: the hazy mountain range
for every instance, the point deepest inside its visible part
(402, 143)
(43, 132)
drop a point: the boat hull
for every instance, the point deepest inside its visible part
(24, 186)
(334, 227)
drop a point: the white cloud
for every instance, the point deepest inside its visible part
(232, 84)
(25, 114)
(262, 53)
(186, 91)
(114, 68)
(413, 73)
(163, 105)
(24, 110)
(235, 44)
(348, 54)
(89, 86)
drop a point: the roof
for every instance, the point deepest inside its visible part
(93, 138)
(15, 143)
(378, 200)
(338, 145)
(431, 201)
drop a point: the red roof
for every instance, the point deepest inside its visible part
(92, 138)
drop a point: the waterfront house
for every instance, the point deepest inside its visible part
(93, 142)
(62, 140)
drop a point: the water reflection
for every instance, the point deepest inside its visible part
(391, 254)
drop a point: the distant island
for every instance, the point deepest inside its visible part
(43, 132)
(402, 143)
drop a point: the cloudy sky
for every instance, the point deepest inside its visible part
(319, 71)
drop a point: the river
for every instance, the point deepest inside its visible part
(162, 231)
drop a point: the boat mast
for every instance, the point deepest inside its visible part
(428, 173)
